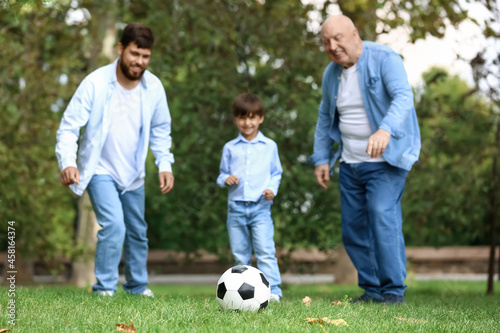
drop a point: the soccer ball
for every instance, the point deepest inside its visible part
(243, 288)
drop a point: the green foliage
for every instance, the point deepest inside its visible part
(447, 191)
(38, 47)
(206, 53)
(205, 61)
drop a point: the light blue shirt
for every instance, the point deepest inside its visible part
(257, 165)
(388, 100)
(90, 108)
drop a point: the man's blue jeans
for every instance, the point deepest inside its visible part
(370, 196)
(250, 225)
(121, 217)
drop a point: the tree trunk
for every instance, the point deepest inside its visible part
(86, 233)
(103, 29)
(494, 194)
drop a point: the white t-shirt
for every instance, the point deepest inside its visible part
(354, 124)
(118, 156)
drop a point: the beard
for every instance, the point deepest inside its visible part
(128, 73)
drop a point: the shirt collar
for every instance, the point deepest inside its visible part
(113, 77)
(259, 138)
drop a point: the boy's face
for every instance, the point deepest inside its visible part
(249, 125)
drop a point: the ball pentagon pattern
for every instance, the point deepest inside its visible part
(243, 288)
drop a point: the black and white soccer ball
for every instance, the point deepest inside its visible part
(243, 288)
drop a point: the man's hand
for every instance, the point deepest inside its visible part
(69, 176)
(166, 182)
(322, 173)
(377, 143)
(268, 194)
(231, 180)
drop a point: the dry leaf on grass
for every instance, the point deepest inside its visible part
(126, 328)
(326, 320)
(4, 330)
(411, 320)
(307, 301)
(337, 303)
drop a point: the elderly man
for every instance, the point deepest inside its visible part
(367, 108)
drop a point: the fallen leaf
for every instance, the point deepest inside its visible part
(337, 303)
(4, 330)
(312, 320)
(307, 301)
(326, 320)
(339, 322)
(126, 328)
(411, 320)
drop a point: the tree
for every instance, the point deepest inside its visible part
(485, 70)
(41, 63)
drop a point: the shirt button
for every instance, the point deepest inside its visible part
(248, 162)
(248, 172)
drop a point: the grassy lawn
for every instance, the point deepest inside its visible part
(437, 306)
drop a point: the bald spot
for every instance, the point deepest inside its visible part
(340, 21)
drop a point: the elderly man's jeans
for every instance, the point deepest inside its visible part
(122, 219)
(250, 225)
(372, 225)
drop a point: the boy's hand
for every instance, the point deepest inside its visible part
(268, 194)
(69, 176)
(166, 182)
(231, 180)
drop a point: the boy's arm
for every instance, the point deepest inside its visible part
(224, 171)
(276, 172)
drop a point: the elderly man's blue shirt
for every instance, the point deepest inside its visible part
(388, 100)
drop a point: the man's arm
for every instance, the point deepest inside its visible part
(396, 83)
(75, 117)
(323, 143)
(161, 142)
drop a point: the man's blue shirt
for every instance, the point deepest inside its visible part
(90, 108)
(257, 165)
(388, 100)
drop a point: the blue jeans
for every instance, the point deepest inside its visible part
(370, 195)
(121, 217)
(250, 225)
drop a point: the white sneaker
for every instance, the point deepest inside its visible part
(274, 298)
(105, 293)
(147, 293)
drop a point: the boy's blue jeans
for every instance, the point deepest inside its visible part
(250, 226)
(121, 217)
(370, 195)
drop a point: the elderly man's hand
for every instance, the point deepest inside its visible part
(377, 143)
(322, 173)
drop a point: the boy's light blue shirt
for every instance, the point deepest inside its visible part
(90, 108)
(257, 165)
(388, 100)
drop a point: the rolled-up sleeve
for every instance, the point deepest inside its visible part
(399, 89)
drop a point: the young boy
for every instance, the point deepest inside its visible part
(251, 168)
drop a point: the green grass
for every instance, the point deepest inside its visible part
(438, 306)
